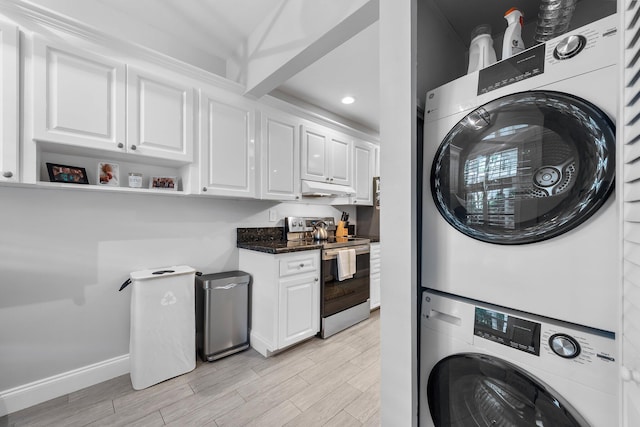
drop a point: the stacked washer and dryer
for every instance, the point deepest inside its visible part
(520, 302)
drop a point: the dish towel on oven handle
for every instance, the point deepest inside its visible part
(346, 263)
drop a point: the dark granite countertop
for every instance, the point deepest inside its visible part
(272, 240)
(278, 247)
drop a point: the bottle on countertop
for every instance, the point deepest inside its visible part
(512, 43)
(481, 51)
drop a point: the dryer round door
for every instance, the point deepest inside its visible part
(476, 390)
(525, 167)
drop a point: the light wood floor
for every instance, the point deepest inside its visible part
(332, 382)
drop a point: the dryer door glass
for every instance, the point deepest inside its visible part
(525, 167)
(473, 390)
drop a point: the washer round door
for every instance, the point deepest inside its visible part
(525, 167)
(475, 390)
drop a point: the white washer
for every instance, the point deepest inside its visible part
(545, 259)
(483, 365)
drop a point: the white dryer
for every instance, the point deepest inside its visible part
(519, 164)
(483, 366)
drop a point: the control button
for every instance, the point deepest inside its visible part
(564, 346)
(569, 47)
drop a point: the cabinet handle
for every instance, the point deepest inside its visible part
(315, 280)
(133, 147)
(301, 265)
(327, 178)
(331, 179)
(297, 197)
(120, 145)
(7, 174)
(204, 188)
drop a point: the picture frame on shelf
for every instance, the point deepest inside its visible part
(108, 174)
(164, 183)
(67, 174)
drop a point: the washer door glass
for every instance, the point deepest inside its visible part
(525, 167)
(473, 390)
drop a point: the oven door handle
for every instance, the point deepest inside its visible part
(333, 253)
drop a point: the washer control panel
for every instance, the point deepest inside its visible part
(564, 346)
(569, 46)
(502, 328)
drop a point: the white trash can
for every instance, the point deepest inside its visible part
(162, 341)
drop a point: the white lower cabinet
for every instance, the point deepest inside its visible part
(374, 275)
(285, 297)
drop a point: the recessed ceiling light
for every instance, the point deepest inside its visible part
(348, 100)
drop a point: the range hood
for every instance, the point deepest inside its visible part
(321, 189)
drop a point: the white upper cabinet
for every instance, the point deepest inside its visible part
(326, 156)
(79, 98)
(340, 164)
(159, 117)
(364, 170)
(9, 93)
(227, 156)
(279, 157)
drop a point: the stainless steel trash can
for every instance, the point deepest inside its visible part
(222, 314)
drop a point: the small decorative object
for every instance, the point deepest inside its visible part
(67, 174)
(108, 174)
(164, 182)
(135, 180)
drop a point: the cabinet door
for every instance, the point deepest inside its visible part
(314, 155)
(9, 93)
(364, 168)
(160, 117)
(299, 309)
(280, 158)
(340, 161)
(79, 98)
(227, 147)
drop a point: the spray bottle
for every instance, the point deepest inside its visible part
(512, 43)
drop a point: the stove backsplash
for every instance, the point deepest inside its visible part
(260, 234)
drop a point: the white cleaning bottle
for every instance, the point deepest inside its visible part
(512, 43)
(481, 52)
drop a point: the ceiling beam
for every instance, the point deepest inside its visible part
(296, 36)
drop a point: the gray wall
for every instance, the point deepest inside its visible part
(64, 254)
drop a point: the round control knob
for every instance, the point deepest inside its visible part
(564, 346)
(569, 47)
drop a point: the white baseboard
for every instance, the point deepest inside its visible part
(27, 395)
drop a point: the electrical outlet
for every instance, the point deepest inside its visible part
(273, 215)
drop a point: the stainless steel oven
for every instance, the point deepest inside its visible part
(344, 302)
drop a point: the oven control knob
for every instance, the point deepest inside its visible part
(564, 346)
(569, 47)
